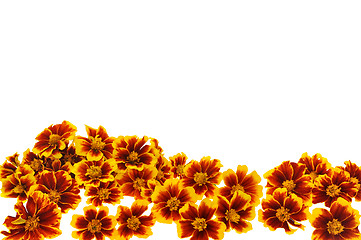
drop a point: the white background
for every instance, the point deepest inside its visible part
(247, 82)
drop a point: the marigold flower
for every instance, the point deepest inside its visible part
(281, 210)
(133, 152)
(60, 187)
(291, 176)
(149, 189)
(106, 192)
(203, 176)
(155, 148)
(169, 198)
(70, 156)
(198, 223)
(94, 172)
(132, 221)
(54, 139)
(9, 166)
(178, 163)
(237, 213)
(355, 176)
(33, 160)
(315, 165)
(163, 166)
(341, 222)
(333, 185)
(97, 145)
(240, 181)
(94, 224)
(18, 184)
(39, 219)
(134, 182)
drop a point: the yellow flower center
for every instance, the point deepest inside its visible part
(133, 157)
(289, 185)
(200, 178)
(19, 189)
(54, 196)
(96, 143)
(133, 223)
(94, 172)
(199, 224)
(103, 193)
(31, 223)
(334, 227)
(138, 183)
(54, 139)
(180, 170)
(333, 190)
(36, 165)
(232, 216)
(236, 188)
(160, 174)
(283, 214)
(94, 226)
(173, 204)
(313, 175)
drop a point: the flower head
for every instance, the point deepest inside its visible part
(281, 210)
(203, 176)
(60, 187)
(290, 175)
(94, 172)
(315, 165)
(106, 192)
(240, 181)
(355, 176)
(132, 222)
(54, 139)
(340, 222)
(163, 166)
(133, 182)
(94, 224)
(96, 145)
(169, 198)
(237, 213)
(18, 184)
(34, 161)
(38, 219)
(9, 166)
(133, 152)
(178, 163)
(197, 221)
(333, 185)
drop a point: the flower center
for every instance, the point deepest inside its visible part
(94, 226)
(133, 223)
(283, 214)
(31, 223)
(103, 193)
(133, 157)
(36, 165)
(97, 143)
(173, 204)
(54, 196)
(236, 188)
(232, 216)
(94, 172)
(19, 189)
(199, 224)
(333, 190)
(139, 183)
(313, 175)
(200, 178)
(54, 139)
(289, 185)
(334, 227)
(180, 170)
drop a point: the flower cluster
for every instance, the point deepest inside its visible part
(293, 187)
(203, 201)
